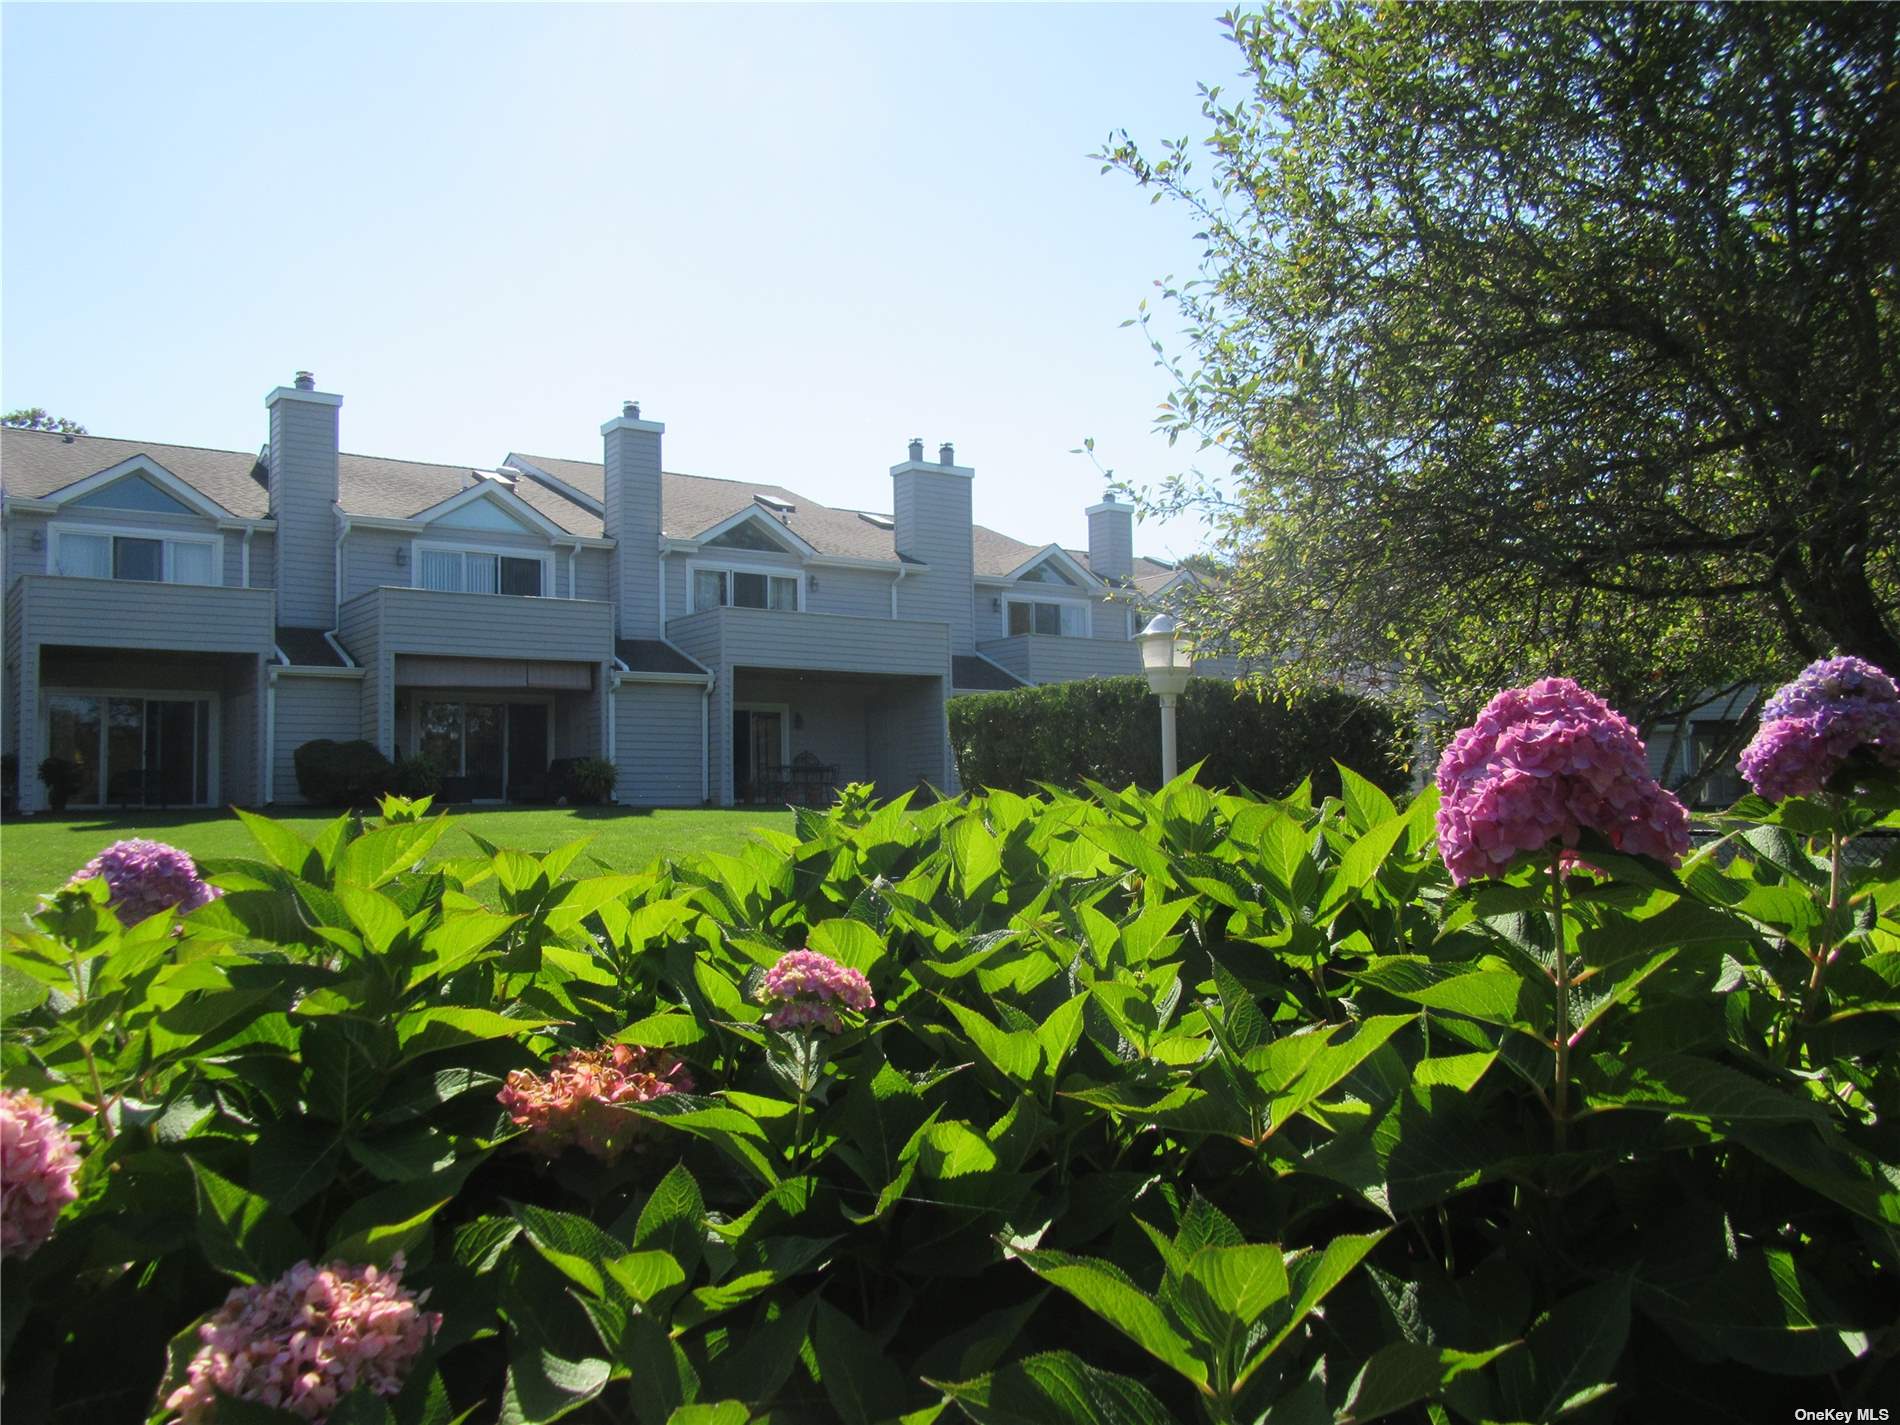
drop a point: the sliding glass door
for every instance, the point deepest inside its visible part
(134, 749)
(489, 745)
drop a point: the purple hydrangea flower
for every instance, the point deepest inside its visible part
(1810, 727)
(37, 1162)
(1539, 766)
(806, 989)
(147, 877)
(306, 1340)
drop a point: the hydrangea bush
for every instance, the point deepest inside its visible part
(303, 1342)
(581, 1101)
(147, 877)
(806, 989)
(1135, 1107)
(1811, 727)
(1539, 767)
(37, 1162)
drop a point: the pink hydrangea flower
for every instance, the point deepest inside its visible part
(576, 1104)
(1539, 766)
(806, 989)
(1833, 709)
(147, 877)
(306, 1340)
(37, 1163)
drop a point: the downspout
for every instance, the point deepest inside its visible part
(901, 572)
(572, 551)
(342, 533)
(244, 560)
(613, 718)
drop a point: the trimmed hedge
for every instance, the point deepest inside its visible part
(1108, 730)
(343, 774)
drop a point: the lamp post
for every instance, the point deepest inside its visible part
(1168, 660)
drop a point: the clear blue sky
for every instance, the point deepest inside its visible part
(799, 235)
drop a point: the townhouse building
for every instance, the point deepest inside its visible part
(179, 620)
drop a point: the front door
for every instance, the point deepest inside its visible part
(758, 736)
(527, 749)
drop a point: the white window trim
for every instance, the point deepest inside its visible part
(1087, 605)
(180, 695)
(459, 546)
(772, 571)
(784, 711)
(58, 529)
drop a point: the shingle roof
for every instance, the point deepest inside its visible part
(693, 504)
(398, 489)
(981, 676)
(651, 655)
(39, 463)
(35, 463)
(307, 648)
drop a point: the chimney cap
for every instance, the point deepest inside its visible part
(917, 448)
(630, 409)
(306, 381)
(946, 454)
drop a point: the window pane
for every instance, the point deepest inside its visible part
(748, 590)
(191, 564)
(785, 594)
(441, 569)
(125, 749)
(84, 556)
(709, 588)
(138, 559)
(521, 576)
(1072, 620)
(440, 735)
(72, 732)
(484, 744)
(1048, 618)
(1021, 618)
(484, 574)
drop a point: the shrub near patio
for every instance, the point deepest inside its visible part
(1115, 1107)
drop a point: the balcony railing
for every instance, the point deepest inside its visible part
(136, 613)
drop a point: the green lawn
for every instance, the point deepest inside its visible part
(40, 853)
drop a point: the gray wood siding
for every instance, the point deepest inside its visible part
(910, 740)
(10, 711)
(19, 554)
(120, 613)
(765, 638)
(594, 575)
(493, 625)
(840, 719)
(303, 448)
(932, 515)
(264, 562)
(241, 731)
(360, 631)
(658, 748)
(991, 621)
(859, 593)
(1111, 543)
(632, 517)
(309, 709)
(1039, 658)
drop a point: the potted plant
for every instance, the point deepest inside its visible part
(591, 780)
(61, 777)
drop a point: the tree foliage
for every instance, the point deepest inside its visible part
(36, 418)
(1548, 338)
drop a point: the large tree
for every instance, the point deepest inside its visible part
(1549, 336)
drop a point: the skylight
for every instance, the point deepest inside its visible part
(775, 504)
(881, 521)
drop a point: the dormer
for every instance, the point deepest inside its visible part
(473, 542)
(136, 520)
